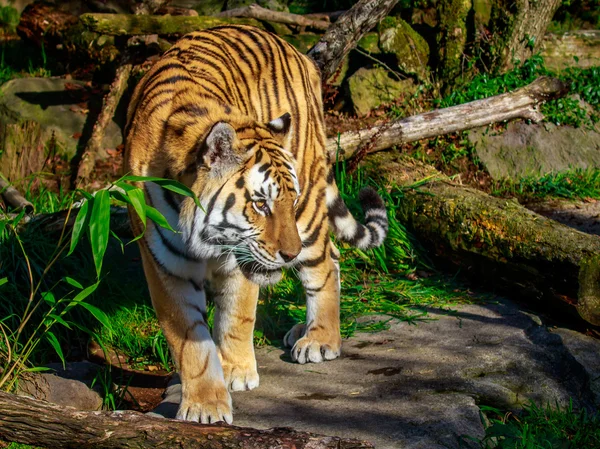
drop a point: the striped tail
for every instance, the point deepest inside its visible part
(345, 226)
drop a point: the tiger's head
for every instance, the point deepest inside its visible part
(248, 188)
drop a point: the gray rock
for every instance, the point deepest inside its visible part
(410, 49)
(419, 386)
(83, 371)
(55, 104)
(524, 150)
(370, 88)
(57, 390)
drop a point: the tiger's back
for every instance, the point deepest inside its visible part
(235, 113)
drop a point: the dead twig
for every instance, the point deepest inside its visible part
(255, 11)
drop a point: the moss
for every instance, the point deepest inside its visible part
(370, 43)
(452, 38)
(303, 42)
(409, 48)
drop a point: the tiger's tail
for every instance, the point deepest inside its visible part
(347, 228)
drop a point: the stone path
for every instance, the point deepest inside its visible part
(419, 386)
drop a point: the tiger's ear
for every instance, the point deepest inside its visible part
(218, 152)
(280, 126)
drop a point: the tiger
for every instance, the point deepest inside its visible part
(235, 114)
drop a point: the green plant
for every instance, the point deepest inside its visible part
(37, 298)
(571, 184)
(541, 428)
(9, 19)
(583, 82)
(112, 394)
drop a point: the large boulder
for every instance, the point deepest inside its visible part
(370, 88)
(532, 150)
(396, 37)
(60, 106)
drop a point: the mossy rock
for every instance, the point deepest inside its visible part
(396, 37)
(369, 43)
(55, 104)
(370, 88)
(303, 42)
(483, 11)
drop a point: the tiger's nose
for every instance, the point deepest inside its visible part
(287, 256)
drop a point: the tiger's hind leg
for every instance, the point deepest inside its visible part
(233, 331)
(319, 339)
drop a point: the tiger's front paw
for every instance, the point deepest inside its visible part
(312, 347)
(240, 378)
(207, 406)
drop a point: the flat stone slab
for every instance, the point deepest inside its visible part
(533, 150)
(419, 386)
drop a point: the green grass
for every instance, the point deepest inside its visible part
(542, 428)
(571, 184)
(563, 111)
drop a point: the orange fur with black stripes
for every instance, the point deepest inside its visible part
(235, 113)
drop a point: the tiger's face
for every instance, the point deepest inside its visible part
(248, 189)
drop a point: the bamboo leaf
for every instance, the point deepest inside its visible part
(158, 218)
(99, 227)
(56, 345)
(72, 282)
(3, 281)
(169, 184)
(80, 225)
(99, 315)
(49, 298)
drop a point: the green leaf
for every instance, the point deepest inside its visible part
(169, 184)
(72, 282)
(158, 218)
(3, 281)
(36, 369)
(86, 292)
(83, 217)
(56, 345)
(59, 320)
(99, 315)
(49, 298)
(138, 201)
(99, 227)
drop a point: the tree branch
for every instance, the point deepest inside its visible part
(255, 11)
(342, 36)
(521, 103)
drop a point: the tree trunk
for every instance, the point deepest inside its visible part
(109, 106)
(498, 241)
(518, 27)
(521, 103)
(342, 36)
(452, 37)
(29, 421)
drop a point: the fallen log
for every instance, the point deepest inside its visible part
(34, 422)
(522, 103)
(255, 11)
(497, 241)
(13, 197)
(132, 25)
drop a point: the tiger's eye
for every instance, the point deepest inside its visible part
(260, 204)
